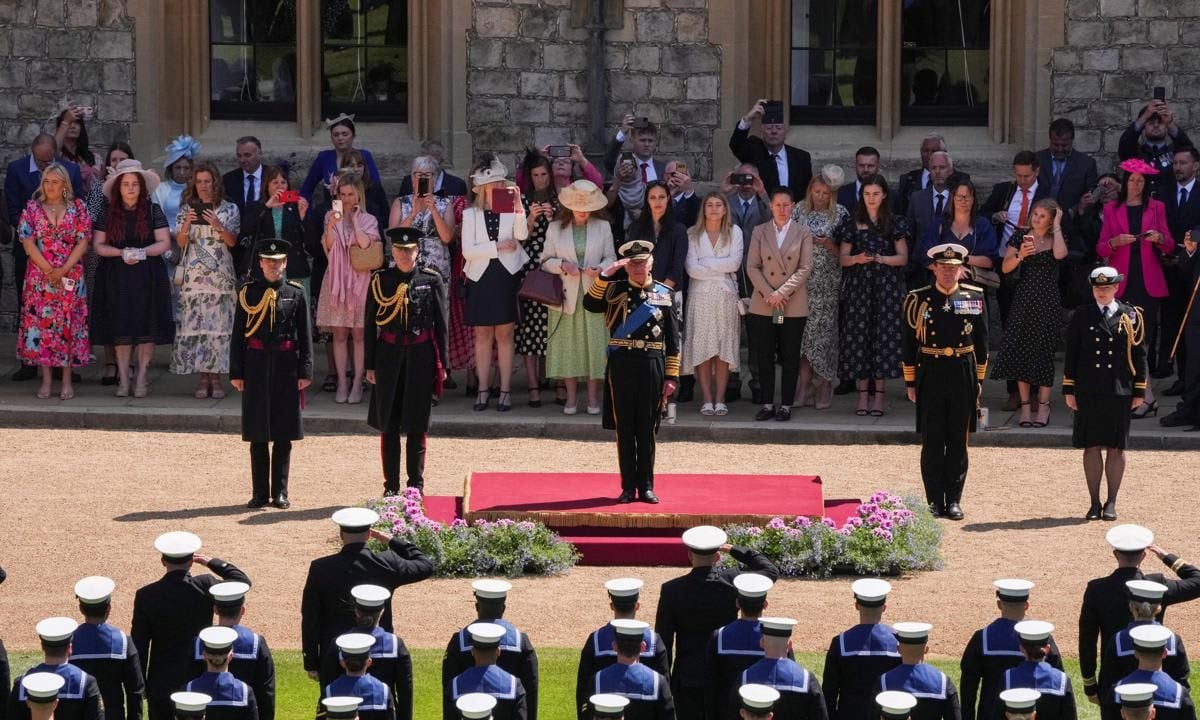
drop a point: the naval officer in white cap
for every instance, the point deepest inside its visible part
(79, 697)
(327, 607)
(1145, 604)
(106, 653)
(937, 698)
(691, 607)
(169, 612)
(995, 649)
(737, 645)
(252, 662)
(1057, 698)
(1106, 600)
(486, 676)
(1172, 699)
(232, 699)
(857, 657)
(598, 652)
(517, 655)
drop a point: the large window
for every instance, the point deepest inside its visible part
(365, 58)
(253, 58)
(833, 61)
(944, 61)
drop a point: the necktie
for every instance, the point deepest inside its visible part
(645, 177)
(1104, 311)
(1182, 196)
(1058, 173)
(940, 208)
(745, 209)
(1023, 217)
(249, 188)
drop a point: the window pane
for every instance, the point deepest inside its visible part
(253, 58)
(365, 58)
(945, 61)
(833, 61)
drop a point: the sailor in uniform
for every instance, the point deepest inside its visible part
(857, 657)
(190, 705)
(1145, 603)
(486, 676)
(1150, 701)
(107, 654)
(377, 702)
(996, 648)
(407, 353)
(475, 706)
(736, 646)
(643, 361)
(232, 699)
(390, 660)
(757, 702)
(270, 364)
(343, 707)
(937, 698)
(648, 692)
(1172, 699)
(1018, 704)
(606, 706)
(945, 356)
(1057, 699)
(598, 652)
(800, 695)
(252, 662)
(79, 696)
(41, 694)
(894, 705)
(516, 655)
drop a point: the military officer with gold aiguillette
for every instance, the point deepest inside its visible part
(643, 361)
(945, 357)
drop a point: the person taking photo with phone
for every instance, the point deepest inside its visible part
(1152, 138)
(779, 164)
(282, 217)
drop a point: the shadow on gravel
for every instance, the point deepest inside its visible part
(1026, 524)
(184, 514)
(272, 516)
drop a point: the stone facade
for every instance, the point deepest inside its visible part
(1116, 53)
(527, 78)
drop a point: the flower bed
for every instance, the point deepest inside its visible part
(887, 535)
(503, 547)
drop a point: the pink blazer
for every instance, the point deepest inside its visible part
(1116, 222)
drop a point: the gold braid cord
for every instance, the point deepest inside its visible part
(616, 306)
(914, 313)
(1135, 333)
(390, 307)
(255, 315)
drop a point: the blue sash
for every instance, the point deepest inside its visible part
(635, 320)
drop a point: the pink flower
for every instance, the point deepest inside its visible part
(846, 531)
(828, 522)
(793, 532)
(754, 531)
(776, 524)
(803, 521)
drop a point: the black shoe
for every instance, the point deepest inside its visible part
(481, 402)
(783, 414)
(504, 404)
(1110, 511)
(954, 512)
(23, 373)
(256, 503)
(108, 380)
(936, 510)
(449, 383)
(390, 492)
(755, 392)
(685, 396)
(648, 496)
(1175, 389)
(1194, 428)
(766, 413)
(1175, 419)
(845, 387)
(627, 496)
(1141, 411)
(1093, 512)
(281, 502)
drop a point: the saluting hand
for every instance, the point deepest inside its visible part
(1158, 551)
(202, 559)
(377, 534)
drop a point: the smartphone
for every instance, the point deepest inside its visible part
(1027, 239)
(1160, 92)
(200, 209)
(560, 151)
(289, 196)
(742, 179)
(627, 157)
(422, 186)
(772, 112)
(681, 168)
(504, 201)
(68, 284)
(641, 122)
(337, 208)
(88, 111)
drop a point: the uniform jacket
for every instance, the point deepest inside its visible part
(731, 650)
(79, 698)
(1116, 222)
(1057, 701)
(853, 664)
(511, 696)
(391, 664)
(109, 655)
(751, 149)
(377, 701)
(1079, 175)
(770, 268)
(1172, 701)
(560, 247)
(800, 696)
(478, 249)
(517, 658)
(937, 698)
(991, 652)
(1105, 356)
(1117, 654)
(598, 654)
(648, 692)
(232, 699)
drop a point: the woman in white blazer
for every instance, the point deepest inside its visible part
(579, 244)
(491, 247)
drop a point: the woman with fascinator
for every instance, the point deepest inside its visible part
(178, 164)
(1133, 238)
(325, 165)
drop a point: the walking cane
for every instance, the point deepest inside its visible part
(1186, 313)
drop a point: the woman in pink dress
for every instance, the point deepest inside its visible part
(344, 289)
(55, 229)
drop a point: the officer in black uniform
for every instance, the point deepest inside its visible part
(598, 652)
(171, 611)
(643, 360)
(1105, 608)
(1145, 603)
(327, 608)
(406, 355)
(945, 361)
(106, 653)
(1104, 378)
(270, 363)
(252, 662)
(692, 606)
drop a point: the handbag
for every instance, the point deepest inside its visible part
(366, 259)
(986, 277)
(180, 275)
(542, 287)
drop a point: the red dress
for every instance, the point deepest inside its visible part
(54, 319)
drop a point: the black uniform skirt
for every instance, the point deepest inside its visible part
(1101, 421)
(492, 300)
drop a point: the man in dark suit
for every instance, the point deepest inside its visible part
(21, 181)
(643, 137)
(1067, 172)
(919, 179)
(1153, 137)
(928, 208)
(779, 164)
(866, 163)
(683, 193)
(445, 184)
(1183, 213)
(171, 611)
(691, 607)
(244, 188)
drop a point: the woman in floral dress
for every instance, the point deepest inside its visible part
(208, 228)
(56, 230)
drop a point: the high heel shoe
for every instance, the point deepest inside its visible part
(482, 400)
(863, 402)
(1041, 423)
(1025, 423)
(1145, 409)
(504, 402)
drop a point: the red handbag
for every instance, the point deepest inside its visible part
(542, 287)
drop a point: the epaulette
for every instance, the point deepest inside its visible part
(432, 271)
(296, 284)
(919, 290)
(969, 286)
(661, 287)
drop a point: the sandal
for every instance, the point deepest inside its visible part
(504, 403)
(107, 379)
(1025, 423)
(329, 384)
(201, 392)
(863, 399)
(218, 391)
(1039, 423)
(43, 394)
(66, 394)
(481, 401)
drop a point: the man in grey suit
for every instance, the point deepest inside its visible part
(1067, 172)
(926, 208)
(748, 208)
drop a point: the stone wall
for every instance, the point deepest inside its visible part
(1116, 52)
(527, 80)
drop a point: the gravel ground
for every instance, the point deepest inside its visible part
(78, 503)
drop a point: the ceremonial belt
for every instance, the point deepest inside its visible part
(947, 351)
(636, 344)
(256, 344)
(633, 321)
(392, 338)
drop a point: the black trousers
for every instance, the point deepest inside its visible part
(946, 399)
(269, 469)
(1189, 404)
(389, 450)
(1151, 308)
(1170, 316)
(635, 382)
(772, 342)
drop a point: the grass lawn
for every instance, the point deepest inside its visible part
(297, 695)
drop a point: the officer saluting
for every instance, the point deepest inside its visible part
(945, 359)
(106, 653)
(643, 361)
(270, 363)
(406, 355)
